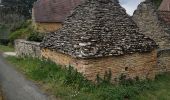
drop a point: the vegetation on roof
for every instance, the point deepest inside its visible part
(157, 2)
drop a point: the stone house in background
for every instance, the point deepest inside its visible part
(99, 37)
(48, 15)
(154, 22)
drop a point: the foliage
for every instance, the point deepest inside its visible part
(4, 48)
(157, 2)
(35, 36)
(68, 84)
(21, 7)
(19, 34)
(25, 31)
(3, 32)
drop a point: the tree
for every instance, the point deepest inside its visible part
(21, 7)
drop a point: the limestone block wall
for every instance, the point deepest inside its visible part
(27, 48)
(47, 27)
(141, 65)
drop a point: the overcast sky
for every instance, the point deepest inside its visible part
(130, 5)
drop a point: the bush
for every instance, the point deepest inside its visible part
(25, 31)
(19, 34)
(35, 36)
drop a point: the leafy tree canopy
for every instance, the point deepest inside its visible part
(22, 7)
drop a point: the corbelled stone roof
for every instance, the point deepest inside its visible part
(98, 28)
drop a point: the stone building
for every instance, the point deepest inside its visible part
(48, 15)
(99, 37)
(154, 22)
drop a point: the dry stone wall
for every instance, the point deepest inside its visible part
(131, 65)
(27, 48)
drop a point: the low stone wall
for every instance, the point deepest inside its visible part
(133, 66)
(27, 48)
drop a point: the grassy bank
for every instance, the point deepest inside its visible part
(4, 48)
(67, 84)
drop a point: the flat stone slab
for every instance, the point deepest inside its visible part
(6, 54)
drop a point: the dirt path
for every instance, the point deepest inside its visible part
(15, 86)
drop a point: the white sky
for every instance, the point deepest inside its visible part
(130, 5)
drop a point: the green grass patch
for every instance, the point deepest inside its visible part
(68, 84)
(4, 48)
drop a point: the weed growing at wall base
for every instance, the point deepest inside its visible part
(68, 84)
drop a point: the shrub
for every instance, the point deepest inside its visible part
(25, 31)
(19, 34)
(35, 36)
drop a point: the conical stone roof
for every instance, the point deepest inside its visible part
(98, 28)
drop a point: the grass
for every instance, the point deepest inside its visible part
(162, 91)
(1, 96)
(67, 84)
(4, 48)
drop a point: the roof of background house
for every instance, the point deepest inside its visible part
(53, 10)
(98, 28)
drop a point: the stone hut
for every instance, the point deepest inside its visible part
(99, 37)
(48, 15)
(154, 22)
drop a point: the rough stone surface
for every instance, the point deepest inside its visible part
(98, 28)
(150, 22)
(141, 65)
(163, 60)
(27, 48)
